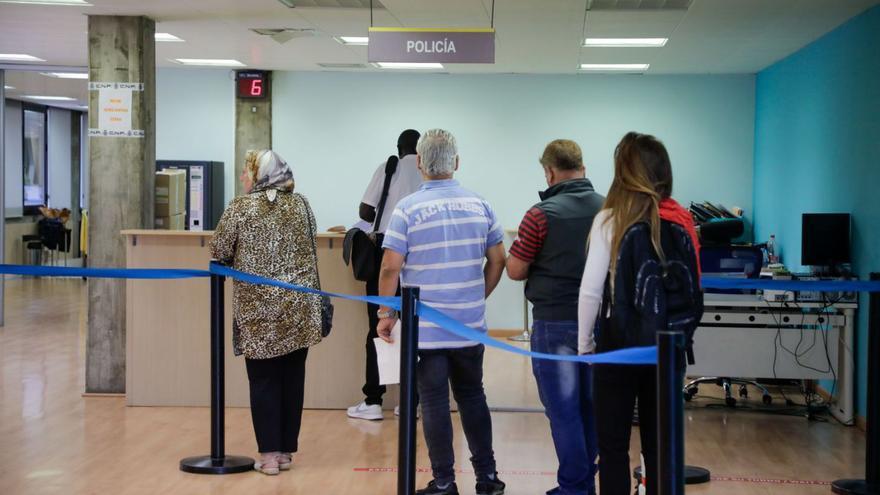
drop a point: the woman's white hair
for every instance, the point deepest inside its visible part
(438, 152)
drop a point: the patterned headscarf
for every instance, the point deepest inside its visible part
(269, 171)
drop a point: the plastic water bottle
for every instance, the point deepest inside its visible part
(772, 258)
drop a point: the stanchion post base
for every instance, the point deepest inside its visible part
(693, 475)
(204, 464)
(854, 487)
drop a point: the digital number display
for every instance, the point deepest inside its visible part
(252, 84)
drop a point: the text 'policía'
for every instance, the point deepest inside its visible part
(436, 46)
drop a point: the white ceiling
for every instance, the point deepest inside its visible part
(533, 36)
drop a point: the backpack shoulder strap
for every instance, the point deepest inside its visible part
(390, 169)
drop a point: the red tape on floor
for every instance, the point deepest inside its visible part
(525, 472)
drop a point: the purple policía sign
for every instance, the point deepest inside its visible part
(462, 46)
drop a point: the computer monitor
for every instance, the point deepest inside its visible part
(825, 239)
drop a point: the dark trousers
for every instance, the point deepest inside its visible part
(277, 385)
(463, 370)
(372, 390)
(615, 389)
(565, 390)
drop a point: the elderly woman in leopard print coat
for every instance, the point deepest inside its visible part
(270, 232)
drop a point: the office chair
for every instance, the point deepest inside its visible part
(732, 261)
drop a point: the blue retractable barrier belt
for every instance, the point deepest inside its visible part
(136, 273)
(631, 356)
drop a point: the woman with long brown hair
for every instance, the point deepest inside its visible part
(639, 229)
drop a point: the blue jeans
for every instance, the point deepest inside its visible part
(462, 369)
(565, 390)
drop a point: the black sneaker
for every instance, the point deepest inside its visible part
(433, 489)
(490, 487)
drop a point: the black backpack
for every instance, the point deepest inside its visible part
(650, 295)
(362, 250)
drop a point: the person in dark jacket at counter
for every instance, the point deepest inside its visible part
(549, 253)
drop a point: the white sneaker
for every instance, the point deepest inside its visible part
(365, 411)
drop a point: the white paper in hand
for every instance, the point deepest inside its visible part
(388, 357)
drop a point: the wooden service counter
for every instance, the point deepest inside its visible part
(168, 329)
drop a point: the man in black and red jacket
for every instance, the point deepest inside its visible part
(549, 253)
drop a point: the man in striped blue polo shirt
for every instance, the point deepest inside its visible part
(438, 240)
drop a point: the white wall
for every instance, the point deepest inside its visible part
(195, 118)
(335, 128)
(14, 172)
(58, 157)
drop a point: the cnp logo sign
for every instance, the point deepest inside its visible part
(457, 46)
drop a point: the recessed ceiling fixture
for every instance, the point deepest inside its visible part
(288, 3)
(19, 57)
(72, 3)
(50, 98)
(409, 65)
(67, 75)
(353, 40)
(167, 37)
(341, 65)
(7, 87)
(625, 42)
(209, 62)
(615, 67)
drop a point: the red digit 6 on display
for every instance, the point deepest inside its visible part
(257, 87)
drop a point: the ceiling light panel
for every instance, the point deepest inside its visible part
(625, 42)
(353, 40)
(409, 65)
(70, 3)
(167, 37)
(639, 4)
(67, 75)
(615, 67)
(209, 62)
(19, 57)
(49, 98)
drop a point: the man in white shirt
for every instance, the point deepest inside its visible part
(406, 180)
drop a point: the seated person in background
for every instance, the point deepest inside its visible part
(437, 240)
(549, 253)
(639, 229)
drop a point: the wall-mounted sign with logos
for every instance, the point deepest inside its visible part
(455, 46)
(115, 109)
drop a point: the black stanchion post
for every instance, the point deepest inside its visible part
(670, 413)
(409, 346)
(218, 462)
(871, 484)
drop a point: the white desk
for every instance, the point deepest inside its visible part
(738, 335)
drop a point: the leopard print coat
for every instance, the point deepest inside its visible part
(272, 239)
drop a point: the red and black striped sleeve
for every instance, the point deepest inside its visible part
(531, 235)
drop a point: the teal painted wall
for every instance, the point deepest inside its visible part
(335, 128)
(817, 132)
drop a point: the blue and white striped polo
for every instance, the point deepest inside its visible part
(443, 231)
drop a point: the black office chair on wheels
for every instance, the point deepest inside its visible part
(728, 260)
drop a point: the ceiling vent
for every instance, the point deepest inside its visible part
(283, 35)
(333, 4)
(331, 65)
(639, 4)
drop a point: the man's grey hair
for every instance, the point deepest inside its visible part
(438, 151)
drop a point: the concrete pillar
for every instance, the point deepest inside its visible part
(121, 49)
(253, 128)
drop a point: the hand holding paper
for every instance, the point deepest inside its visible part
(388, 357)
